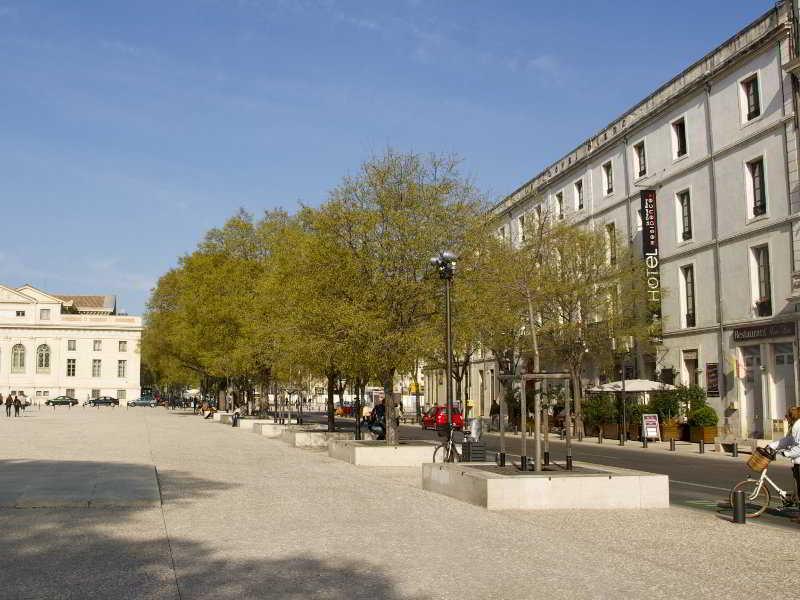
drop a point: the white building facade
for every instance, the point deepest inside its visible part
(718, 145)
(52, 345)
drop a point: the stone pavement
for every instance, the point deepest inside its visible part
(248, 517)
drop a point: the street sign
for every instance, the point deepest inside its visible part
(650, 429)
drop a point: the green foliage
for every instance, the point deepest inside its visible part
(634, 410)
(690, 398)
(600, 409)
(664, 403)
(703, 416)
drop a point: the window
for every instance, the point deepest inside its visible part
(688, 291)
(501, 232)
(123, 346)
(751, 102)
(608, 178)
(520, 224)
(640, 159)
(96, 367)
(18, 359)
(70, 392)
(44, 314)
(121, 395)
(756, 192)
(20, 313)
(98, 345)
(679, 138)
(95, 393)
(685, 212)
(122, 368)
(71, 345)
(763, 301)
(43, 359)
(579, 195)
(560, 205)
(611, 239)
(71, 368)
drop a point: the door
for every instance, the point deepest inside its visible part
(754, 401)
(784, 378)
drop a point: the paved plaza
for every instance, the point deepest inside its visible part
(243, 516)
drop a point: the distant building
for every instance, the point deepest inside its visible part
(718, 145)
(52, 345)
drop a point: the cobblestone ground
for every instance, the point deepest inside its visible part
(247, 517)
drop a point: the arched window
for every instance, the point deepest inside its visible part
(43, 359)
(18, 359)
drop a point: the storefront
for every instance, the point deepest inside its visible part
(766, 377)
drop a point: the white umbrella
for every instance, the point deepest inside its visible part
(632, 385)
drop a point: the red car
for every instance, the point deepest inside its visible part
(436, 416)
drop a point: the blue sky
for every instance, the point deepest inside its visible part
(128, 129)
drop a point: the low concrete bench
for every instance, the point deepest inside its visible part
(364, 453)
(250, 424)
(219, 414)
(298, 436)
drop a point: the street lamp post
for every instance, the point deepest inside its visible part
(445, 264)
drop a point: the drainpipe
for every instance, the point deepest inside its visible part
(723, 392)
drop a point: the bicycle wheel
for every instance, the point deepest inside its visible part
(756, 500)
(440, 454)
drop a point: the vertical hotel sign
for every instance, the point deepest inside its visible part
(652, 260)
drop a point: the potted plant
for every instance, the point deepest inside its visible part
(665, 404)
(703, 424)
(600, 413)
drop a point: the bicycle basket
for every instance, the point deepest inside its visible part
(760, 459)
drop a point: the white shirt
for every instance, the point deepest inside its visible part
(790, 444)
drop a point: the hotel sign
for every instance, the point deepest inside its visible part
(652, 259)
(771, 330)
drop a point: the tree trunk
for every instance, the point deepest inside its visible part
(331, 410)
(389, 408)
(417, 406)
(576, 386)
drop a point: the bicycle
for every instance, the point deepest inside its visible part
(756, 491)
(447, 452)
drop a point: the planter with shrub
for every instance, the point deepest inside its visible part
(703, 424)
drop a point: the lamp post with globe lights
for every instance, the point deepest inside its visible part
(445, 264)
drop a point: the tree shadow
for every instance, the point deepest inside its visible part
(125, 552)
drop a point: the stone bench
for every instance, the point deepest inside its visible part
(366, 453)
(299, 437)
(250, 424)
(219, 414)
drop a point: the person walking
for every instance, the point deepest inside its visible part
(789, 445)
(17, 405)
(494, 413)
(9, 403)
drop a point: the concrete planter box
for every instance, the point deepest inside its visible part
(299, 436)
(605, 488)
(249, 424)
(377, 454)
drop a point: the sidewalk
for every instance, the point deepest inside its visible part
(248, 517)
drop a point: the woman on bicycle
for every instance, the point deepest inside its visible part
(789, 445)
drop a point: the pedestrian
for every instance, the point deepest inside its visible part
(9, 403)
(494, 413)
(17, 405)
(789, 445)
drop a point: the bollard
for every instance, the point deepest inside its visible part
(702, 446)
(523, 463)
(580, 436)
(735, 450)
(672, 444)
(739, 515)
(621, 439)
(500, 459)
(600, 438)
(569, 462)
(644, 442)
(546, 458)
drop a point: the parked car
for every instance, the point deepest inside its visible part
(61, 401)
(103, 401)
(436, 416)
(143, 401)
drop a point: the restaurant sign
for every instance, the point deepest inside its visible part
(769, 330)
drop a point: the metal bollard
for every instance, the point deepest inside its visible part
(546, 457)
(702, 445)
(523, 463)
(500, 459)
(735, 450)
(644, 442)
(569, 461)
(621, 439)
(739, 515)
(672, 444)
(600, 438)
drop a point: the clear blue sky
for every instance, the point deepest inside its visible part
(127, 129)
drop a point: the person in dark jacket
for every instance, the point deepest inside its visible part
(9, 402)
(17, 405)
